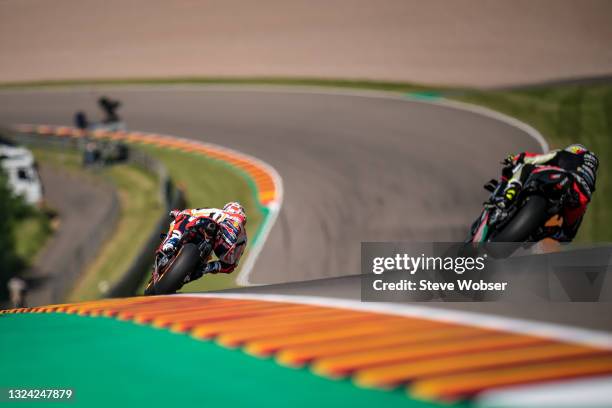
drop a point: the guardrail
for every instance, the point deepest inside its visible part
(129, 282)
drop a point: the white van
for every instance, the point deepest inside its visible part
(19, 165)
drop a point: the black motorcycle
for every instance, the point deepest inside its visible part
(193, 251)
(543, 195)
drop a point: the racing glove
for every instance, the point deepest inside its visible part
(514, 159)
(211, 267)
(509, 160)
(508, 166)
(174, 213)
(219, 267)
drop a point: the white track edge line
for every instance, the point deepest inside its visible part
(521, 326)
(243, 278)
(493, 114)
(305, 89)
(589, 392)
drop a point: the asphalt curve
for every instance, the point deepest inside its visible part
(354, 168)
(82, 203)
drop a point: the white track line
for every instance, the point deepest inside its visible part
(317, 90)
(274, 208)
(555, 331)
(493, 114)
(584, 393)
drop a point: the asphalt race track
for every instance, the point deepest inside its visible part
(354, 168)
(76, 198)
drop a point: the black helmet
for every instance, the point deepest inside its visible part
(576, 148)
(587, 172)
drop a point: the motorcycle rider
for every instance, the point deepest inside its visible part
(576, 159)
(228, 245)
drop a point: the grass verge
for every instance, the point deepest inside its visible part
(33, 232)
(289, 81)
(26, 229)
(140, 209)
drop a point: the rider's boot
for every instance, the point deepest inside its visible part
(210, 267)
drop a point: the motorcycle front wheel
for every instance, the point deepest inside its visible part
(528, 219)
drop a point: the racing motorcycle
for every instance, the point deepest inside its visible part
(193, 251)
(543, 195)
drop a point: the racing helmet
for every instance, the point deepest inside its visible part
(586, 174)
(235, 208)
(576, 148)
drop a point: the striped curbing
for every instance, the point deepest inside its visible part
(434, 360)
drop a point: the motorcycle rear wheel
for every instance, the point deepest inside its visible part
(183, 264)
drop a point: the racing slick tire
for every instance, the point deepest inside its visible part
(528, 219)
(183, 264)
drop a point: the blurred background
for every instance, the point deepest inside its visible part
(465, 43)
(361, 107)
(80, 213)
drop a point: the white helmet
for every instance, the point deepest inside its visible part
(234, 207)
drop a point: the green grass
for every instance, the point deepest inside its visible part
(33, 231)
(114, 363)
(67, 159)
(210, 183)
(140, 210)
(287, 81)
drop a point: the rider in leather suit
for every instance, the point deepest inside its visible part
(575, 159)
(230, 241)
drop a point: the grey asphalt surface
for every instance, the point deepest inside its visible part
(354, 169)
(82, 205)
(587, 315)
